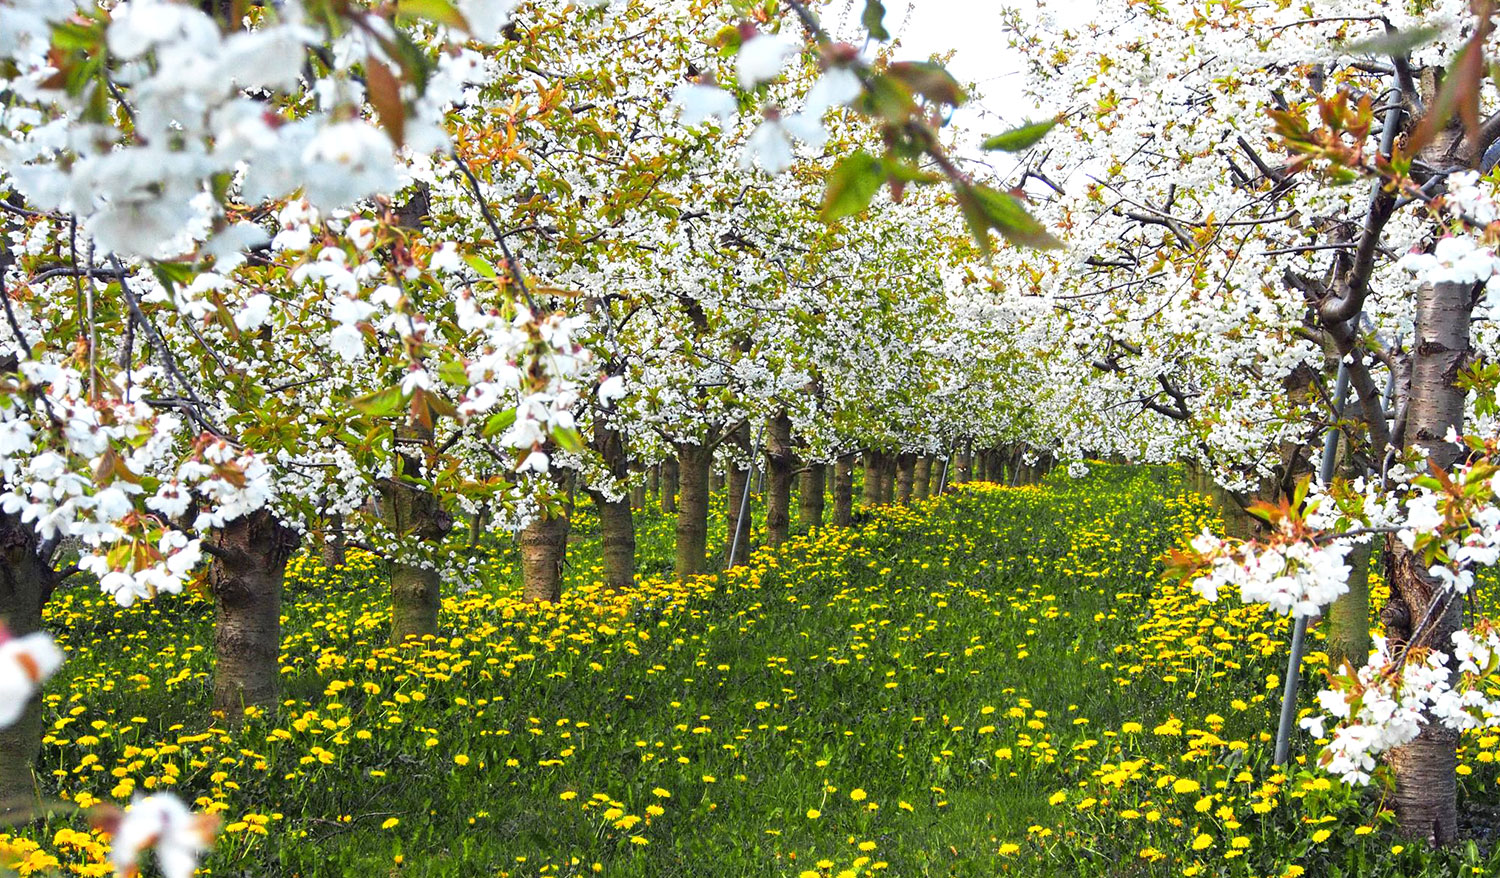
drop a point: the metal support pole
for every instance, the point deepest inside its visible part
(739, 524)
(1390, 126)
(1299, 629)
(943, 479)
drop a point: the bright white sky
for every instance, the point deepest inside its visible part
(971, 28)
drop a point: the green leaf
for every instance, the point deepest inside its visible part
(381, 403)
(889, 98)
(908, 172)
(170, 273)
(84, 36)
(439, 11)
(874, 20)
(454, 372)
(481, 265)
(851, 185)
(498, 423)
(1019, 138)
(930, 80)
(1392, 42)
(568, 439)
(985, 208)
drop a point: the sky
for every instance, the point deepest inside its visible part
(972, 29)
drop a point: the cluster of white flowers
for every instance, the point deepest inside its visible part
(761, 58)
(1471, 199)
(164, 824)
(198, 111)
(529, 365)
(42, 483)
(1078, 469)
(25, 663)
(1383, 707)
(1384, 712)
(1300, 578)
(1454, 259)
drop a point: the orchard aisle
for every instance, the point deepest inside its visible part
(993, 682)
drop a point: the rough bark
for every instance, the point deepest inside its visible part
(906, 469)
(694, 462)
(1425, 769)
(25, 584)
(871, 493)
(616, 518)
(544, 545)
(812, 495)
(249, 564)
(638, 496)
(333, 549)
(1426, 792)
(843, 491)
(921, 479)
(887, 492)
(964, 465)
(416, 596)
(780, 461)
(669, 486)
(416, 591)
(716, 481)
(653, 480)
(617, 538)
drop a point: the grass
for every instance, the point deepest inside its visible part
(993, 683)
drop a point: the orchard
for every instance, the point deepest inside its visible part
(678, 437)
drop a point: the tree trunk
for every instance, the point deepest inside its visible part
(544, 545)
(25, 584)
(617, 538)
(416, 595)
(653, 480)
(843, 491)
(616, 518)
(1426, 796)
(248, 568)
(964, 465)
(477, 522)
(779, 464)
(739, 482)
(694, 462)
(669, 486)
(921, 480)
(871, 494)
(906, 471)
(737, 537)
(716, 481)
(887, 492)
(333, 547)
(1426, 782)
(416, 590)
(812, 495)
(1347, 638)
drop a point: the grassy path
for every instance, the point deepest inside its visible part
(992, 683)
